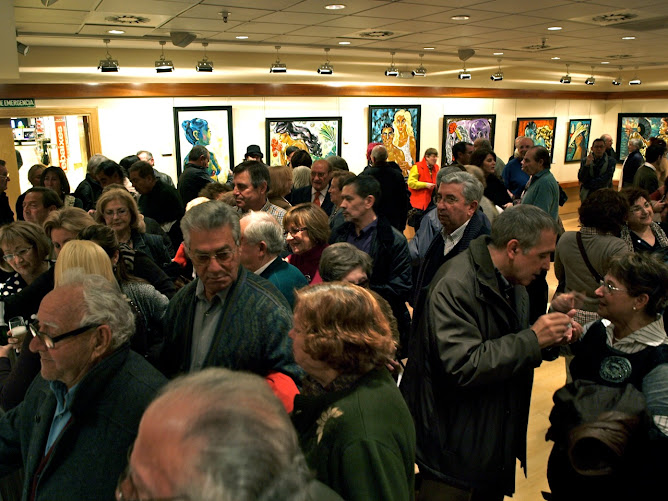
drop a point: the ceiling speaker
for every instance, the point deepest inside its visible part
(182, 38)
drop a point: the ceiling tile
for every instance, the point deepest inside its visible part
(404, 10)
(130, 31)
(291, 17)
(67, 29)
(413, 26)
(513, 7)
(144, 6)
(182, 24)
(356, 22)
(24, 15)
(321, 31)
(274, 29)
(62, 4)
(318, 6)
(257, 4)
(297, 40)
(213, 12)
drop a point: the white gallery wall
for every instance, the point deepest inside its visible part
(130, 124)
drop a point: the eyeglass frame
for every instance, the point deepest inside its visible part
(609, 288)
(638, 208)
(4, 176)
(293, 233)
(198, 257)
(50, 342)
(122, 211)
(19, 253)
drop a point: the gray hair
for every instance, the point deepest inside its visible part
(379, 153)
(247, 447)
(524, 223)
(94, 162)
(301, 176)
(103, 304)
(336, 162)
(444, 171)
(263, 227)
(208, 216)
(341, 258)
(635, 142)
(472, 189)
(484, 143)
(149, 155)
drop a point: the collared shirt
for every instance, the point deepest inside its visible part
(264, 267)
(321, 195)
(269, 208)
(647, 164)
(63, 412)
(453, 238)
(205, 322)
(365, 238)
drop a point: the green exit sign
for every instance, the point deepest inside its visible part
(17, 103)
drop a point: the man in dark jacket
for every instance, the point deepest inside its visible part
(194, 176)
(394, 200)
(632, 163)
(89, 190)
(318, 191)
(72, 432)
(391, 273)
(596, 169)
(468, 381)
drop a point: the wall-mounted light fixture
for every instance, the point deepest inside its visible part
(108, 65)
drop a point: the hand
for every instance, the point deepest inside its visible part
(554, 329)
(567, 301)
(5, 350)
(590, 159)
(431, 185)
(13, 342)
(657, 206)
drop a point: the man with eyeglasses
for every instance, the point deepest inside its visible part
(71, 432)
(228, 316)
(6, 213)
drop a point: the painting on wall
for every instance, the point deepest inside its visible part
(321, 137)
(465, 128)
(398, 129)
(639, 126)
(208, 126)
(578, 139)
(541, 130)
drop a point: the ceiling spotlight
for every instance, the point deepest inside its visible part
(48, 3)
(635, 80)
(464, 55)
(278, 66)
(326, 68)
(591, 80)
(22, 48)
(392, 70)
(464, 75)
(162, 65)
(108, 65)
(618, 81)
(566, 79)
(420, 71)
(204, 64)
(498, 76)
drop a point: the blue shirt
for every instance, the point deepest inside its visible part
(364, 239)
(63, 413)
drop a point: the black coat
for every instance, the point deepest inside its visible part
(303, 195)
(395, 199)
(191, 181)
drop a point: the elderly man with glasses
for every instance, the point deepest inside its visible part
(71, 432)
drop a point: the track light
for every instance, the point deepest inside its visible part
(635, 80)
(591, 80)
(48, 3)
(108, 65)
(278, 66)
(22, 48)
(464, 75)
(326, 68)
(566, 79)
(162, 65)
(392, 70)
(204, 64)
(617, 81)
(420, 71)
(498, 76)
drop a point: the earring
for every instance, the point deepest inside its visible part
(635, 309)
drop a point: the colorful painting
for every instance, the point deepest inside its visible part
(639, 126)
(541, 130)
(208, 126)
(578, 139)
(465, 128)
(398, 129)
(321, 137)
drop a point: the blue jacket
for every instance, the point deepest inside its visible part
(286, 278)
(514, 177)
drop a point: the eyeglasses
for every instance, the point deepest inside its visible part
(222, 257)
(638, 208)
(609, 288)
(51, 341)
(19, 253)
(126, 490)
(118, 212)
(293, 231)
(2, 176)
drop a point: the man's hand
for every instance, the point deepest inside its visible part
(554, 329)
(590, 159)
(567, 301)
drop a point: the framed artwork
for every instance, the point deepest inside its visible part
(466, 128)
(578, 139)
(208, 126)
(398, 128)
(541, 130)
(639, 126)
(320, 136)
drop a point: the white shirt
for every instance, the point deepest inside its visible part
(453, 238)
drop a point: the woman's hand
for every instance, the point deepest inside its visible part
(5, 350)
(567, 301)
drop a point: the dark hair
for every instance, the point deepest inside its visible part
(300, 158)
(196, 152)
(49, 197)
(605, 209)
(212, 190)
(106, 238)
(127, 162)
(657, 141)
(478, 156)
(258, 172)
(364, 186)
(459, 147)
(298, 132)
(643, 273)
(339, 177)
(64, 183)
(598, 140)
(632, 193)
(291, 149)
(542, 154)
(337, 163)
(110, 168)
(654, 152)
(144, 169)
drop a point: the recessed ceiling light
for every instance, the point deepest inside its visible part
(335, 6)
(554, 28)
(498, 53)
(605, 62)
(628, 38)
(344, 43)
(428, 48)
(241, 37)
(461, 17)
(116, 32)
(555, 57)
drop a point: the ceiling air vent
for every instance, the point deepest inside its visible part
(376, 34)
(127, 20)
(614, 17)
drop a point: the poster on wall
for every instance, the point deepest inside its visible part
(208, 126)
(577, 140)
(465, 128)
(321, 137)
(398, 128)
(639, 126)
(541, 130)
(61, 141)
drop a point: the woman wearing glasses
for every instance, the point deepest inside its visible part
(306, 233)
(642, 232)
(629, 347)
(24, 248)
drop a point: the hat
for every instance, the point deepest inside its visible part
(254, 150)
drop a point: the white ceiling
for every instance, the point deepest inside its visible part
(65, 41)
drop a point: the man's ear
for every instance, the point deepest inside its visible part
(263, 187)
(369, 201)
(262, 245)
(513, 248)
(102, 340)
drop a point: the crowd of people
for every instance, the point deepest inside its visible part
(278, 336)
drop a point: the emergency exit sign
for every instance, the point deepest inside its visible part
(17, 103)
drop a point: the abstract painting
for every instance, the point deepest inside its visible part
(321, 137)
(639, 126)
(398, 129)
(578, 139)
(208, 126)
(541, 130)
(465, 128)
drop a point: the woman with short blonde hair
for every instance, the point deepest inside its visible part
(307, 234)
(24, 248)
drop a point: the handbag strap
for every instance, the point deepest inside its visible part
(592, 270)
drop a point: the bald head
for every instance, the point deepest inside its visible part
(522, 144)
(379, 154)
